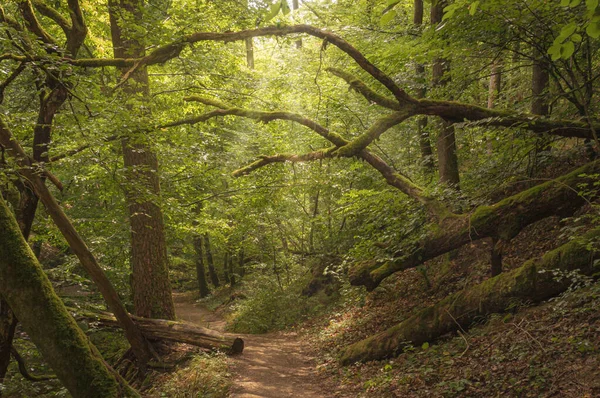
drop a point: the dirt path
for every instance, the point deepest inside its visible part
(272, 366)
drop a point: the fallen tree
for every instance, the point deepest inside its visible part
(180, 332)
(29, 293)
(501, 221)
(535, 281)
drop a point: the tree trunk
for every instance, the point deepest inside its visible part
(179, 332)
(495, 83)
(226, 268)
(539, 84)
(446, 142)
(25, 287)
(249, 52)
(200, 271)
(295, 6)
(241, 263)
(214, 278)
(8, 324)
(535, 281)
(151, 288)
(502, 220)
(231, 270)
(138, 344)
(423, 134)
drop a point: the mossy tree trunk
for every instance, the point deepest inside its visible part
(151, 288)
(533, 282)
(502, 221)
(25, 287)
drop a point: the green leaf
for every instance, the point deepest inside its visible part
(285, 7)
(387, 17)
(574, 3)
(566, 32)
(392, 3)
(554, 51)
(593, 30)
(425, 345)
(591, 4)
(275, 7)
(576, 38)
(567, 50)
(565, 3)
(449, 11)
(473, 7)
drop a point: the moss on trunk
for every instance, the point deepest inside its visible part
(502, 220)
(534, 281)
(29, 293)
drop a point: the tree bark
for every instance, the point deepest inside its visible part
(423, 134)
(502, 220)
(44, 317)
(226, 268)
(232, 279)
(539, 84)
(533, 282)
(446, 141)
(214, 278)
(152, 296)
(200, 271)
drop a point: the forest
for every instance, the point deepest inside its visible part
(299, 198)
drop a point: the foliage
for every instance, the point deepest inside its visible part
(206, 375)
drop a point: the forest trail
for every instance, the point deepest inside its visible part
(272, 365)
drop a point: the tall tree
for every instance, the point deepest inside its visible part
(423, 133)
(150, 269)
(200, 269)
(446, 141)
(214, 278)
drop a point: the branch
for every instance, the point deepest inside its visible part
(32, 23)
(435, 208)
(15, 73)
(54, 15)
(459, 112)
(382, 125)
(281, 158)
(360, 87)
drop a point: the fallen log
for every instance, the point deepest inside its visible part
(535, 281)
(180, 332)
(502, 221)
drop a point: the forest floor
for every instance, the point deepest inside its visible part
(273, 365)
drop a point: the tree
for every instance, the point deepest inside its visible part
(29, 293)
(150, 269)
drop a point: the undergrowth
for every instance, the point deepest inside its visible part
(206, 376)
(272, 303)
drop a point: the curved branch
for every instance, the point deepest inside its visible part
(360, 87)
(54, 15)
(382, 125)
(32, 23)
(24, 371)
(435, 208)
(282, 158)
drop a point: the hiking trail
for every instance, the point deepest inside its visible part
(272, 365)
